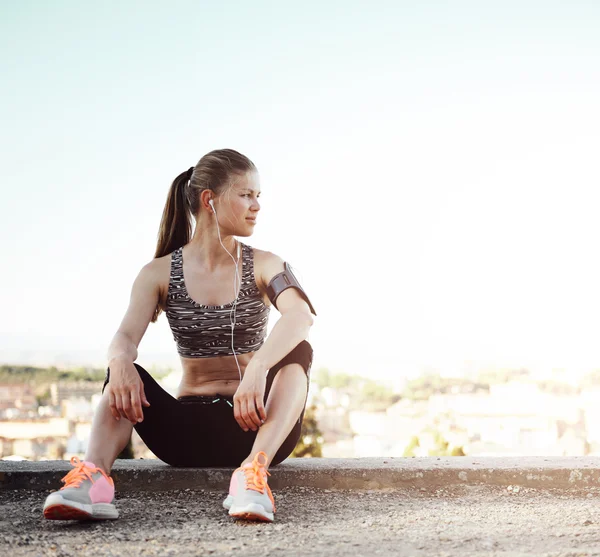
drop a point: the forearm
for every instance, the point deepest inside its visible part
(291, 329)
(122, 347)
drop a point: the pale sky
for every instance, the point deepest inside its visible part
(429, 169)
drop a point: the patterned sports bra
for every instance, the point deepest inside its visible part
(202, 331)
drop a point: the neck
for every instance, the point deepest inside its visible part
(205, 245)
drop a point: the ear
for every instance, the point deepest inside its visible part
(205, 197)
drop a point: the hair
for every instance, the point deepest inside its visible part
(215, 171)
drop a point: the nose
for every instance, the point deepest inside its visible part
(256, 205)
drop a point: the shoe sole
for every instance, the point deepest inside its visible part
(59, 508)
(228, 502)
(252, 511)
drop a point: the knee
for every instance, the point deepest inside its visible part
(292, 369)
(302, 355)
(141, 371)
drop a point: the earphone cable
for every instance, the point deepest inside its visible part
(236, 281)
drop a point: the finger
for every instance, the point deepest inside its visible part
(122, 405)
(131, 411)
(112, 405)
(143, 396)
(260, 407)
(119, 406)
(246, 415)
(253, 414)
(237, 414)
(127, 410)
(136, 406)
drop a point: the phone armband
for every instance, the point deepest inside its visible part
(281, 282)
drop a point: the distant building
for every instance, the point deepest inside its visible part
(72, 390)
(333, 397)
(34, 439)
(17, 395)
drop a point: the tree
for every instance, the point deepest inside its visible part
(412, 445)
(311, 438)
(441, 447)
(322, 377)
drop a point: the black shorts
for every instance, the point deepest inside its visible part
(201, 431)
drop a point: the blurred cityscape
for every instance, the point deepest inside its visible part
(47, 414)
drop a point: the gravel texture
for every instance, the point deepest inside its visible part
(458, 521)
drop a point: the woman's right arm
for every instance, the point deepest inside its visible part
(125, 388)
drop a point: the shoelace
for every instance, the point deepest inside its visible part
(256, 476)
(80, 473)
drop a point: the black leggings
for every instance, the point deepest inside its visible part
(201, 431)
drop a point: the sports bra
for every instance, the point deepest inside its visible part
(202, 331)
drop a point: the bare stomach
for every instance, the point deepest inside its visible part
(211, 376)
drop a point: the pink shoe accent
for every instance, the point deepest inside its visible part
(233, 484)
(102, 491)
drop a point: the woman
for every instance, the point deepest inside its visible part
(242, 397)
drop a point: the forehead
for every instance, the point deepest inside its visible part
(249, 181)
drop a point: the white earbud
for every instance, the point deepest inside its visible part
(212, 204)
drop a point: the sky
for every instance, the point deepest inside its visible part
(429, 169)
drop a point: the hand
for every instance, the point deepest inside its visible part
(126, 391)
(248, 407)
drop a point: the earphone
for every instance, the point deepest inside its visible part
(211, 203)
(236, 280)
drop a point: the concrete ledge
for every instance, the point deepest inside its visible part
(566, 473)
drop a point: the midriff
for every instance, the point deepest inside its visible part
(211, 376)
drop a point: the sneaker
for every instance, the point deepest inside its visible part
(87, 494)
(249, 495)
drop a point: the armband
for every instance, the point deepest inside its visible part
(283, 281)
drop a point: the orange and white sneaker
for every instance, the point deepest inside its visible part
(249, 496)
(87, 494)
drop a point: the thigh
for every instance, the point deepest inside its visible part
(164, 421)
(302, 354)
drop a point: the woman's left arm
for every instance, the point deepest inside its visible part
(289, 331)
(291, 328)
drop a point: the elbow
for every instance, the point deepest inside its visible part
(304, 318)
(299, 319)
(309, 320)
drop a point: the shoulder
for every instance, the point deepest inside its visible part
(157, 268)
(293, 300)
(154, 276)
(266, 266)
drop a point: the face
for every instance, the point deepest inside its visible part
(239, 204)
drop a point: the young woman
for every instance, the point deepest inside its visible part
(242, 396)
